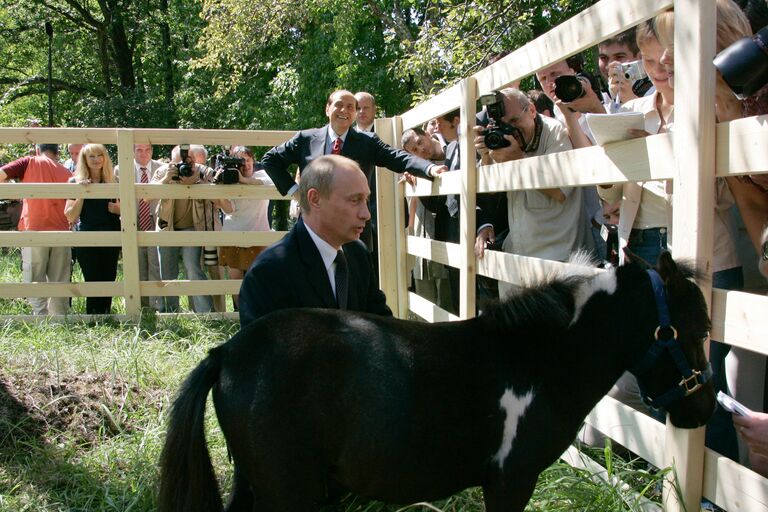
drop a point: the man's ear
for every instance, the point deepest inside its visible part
(313, 198)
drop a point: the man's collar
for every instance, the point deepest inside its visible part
(368, 128)
(326, 250)
(332, 135)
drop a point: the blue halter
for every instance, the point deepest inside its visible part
(666, 341)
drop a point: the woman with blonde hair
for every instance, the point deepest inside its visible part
(97, 263)
(745, 370)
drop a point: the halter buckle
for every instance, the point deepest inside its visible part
(691, 384)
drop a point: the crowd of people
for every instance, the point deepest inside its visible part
(334, 188)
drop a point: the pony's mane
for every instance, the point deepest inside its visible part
(550, 303)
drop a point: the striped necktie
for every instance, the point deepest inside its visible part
(145, 217)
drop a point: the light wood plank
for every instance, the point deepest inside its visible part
(740, 319)
(741, 146)
(263, 138)
(89, 289)
(524, 270)
(387, 218)
(58, 190)
(58, 135)
(129, 221)
(632, 429)
(693, 204)
(732, 486)
(467, 200)
(429, 311)
(441, 252)
(60, 238)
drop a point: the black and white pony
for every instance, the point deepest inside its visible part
(316, 403)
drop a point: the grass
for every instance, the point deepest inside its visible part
(83, 412)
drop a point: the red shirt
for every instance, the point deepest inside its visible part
(40, 214)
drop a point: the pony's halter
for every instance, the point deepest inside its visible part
(666, 341)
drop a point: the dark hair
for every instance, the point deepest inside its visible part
(626, 38)
(409, 132)
(576, 62)
(48, 148)
(450, 116)
(242, 149)
(541, 101)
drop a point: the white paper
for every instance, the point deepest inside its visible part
(607, 128)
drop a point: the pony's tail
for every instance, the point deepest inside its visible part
(187, 480)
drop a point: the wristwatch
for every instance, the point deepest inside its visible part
(764, 256)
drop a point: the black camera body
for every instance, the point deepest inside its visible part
(497, 129)
(569, 88)
(186, 168)
(230, 169)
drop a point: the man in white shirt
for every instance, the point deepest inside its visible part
(149, 263)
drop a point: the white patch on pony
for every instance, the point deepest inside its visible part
(603, 282)
(514, 406)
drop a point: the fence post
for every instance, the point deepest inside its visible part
(401, 234)
(128, 216)
(468, 199)
(693, 202)
(388, 221)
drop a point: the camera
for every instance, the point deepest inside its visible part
(571, 87)
(186, 168)
(497, 129)
(744, 64)
(230, 167)
(634, 73)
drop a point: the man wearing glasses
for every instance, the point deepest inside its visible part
(545, 223)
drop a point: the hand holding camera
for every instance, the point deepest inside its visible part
(581, 93)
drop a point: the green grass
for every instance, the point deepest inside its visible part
(83, 412)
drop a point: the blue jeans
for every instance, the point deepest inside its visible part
(648, 243)
(721, 434)
(169, 270)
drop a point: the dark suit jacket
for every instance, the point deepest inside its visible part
(291, 274)
(364, 148)
(491, 207)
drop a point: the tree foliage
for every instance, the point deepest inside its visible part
(247, 63)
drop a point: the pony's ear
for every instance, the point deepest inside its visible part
(631, 257)
(667, 267)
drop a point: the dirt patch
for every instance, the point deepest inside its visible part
(81, 408)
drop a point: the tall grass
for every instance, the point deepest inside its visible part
(83, 414)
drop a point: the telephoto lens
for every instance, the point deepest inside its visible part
(744, 64)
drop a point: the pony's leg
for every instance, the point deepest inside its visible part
(241, 498)
(508, 495)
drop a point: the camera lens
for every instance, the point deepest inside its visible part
(568, 88)
(494, 139)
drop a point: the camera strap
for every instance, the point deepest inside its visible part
(532, 146)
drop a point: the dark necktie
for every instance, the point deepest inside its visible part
(336, 147)
(342, 279)
(145, 217)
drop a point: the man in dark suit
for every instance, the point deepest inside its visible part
(321, 262)
(364, 148)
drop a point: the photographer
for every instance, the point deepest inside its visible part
(245, 215)
(186, 215)
(545, 223)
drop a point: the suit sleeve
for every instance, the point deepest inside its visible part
(277, 160)
(398, 160)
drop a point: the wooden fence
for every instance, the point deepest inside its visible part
(699, 151)
(129, 239)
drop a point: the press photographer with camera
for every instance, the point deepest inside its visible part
(246, 214)
(187, 215)
(544, 223)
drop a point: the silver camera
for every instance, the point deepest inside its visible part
(633, 71)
